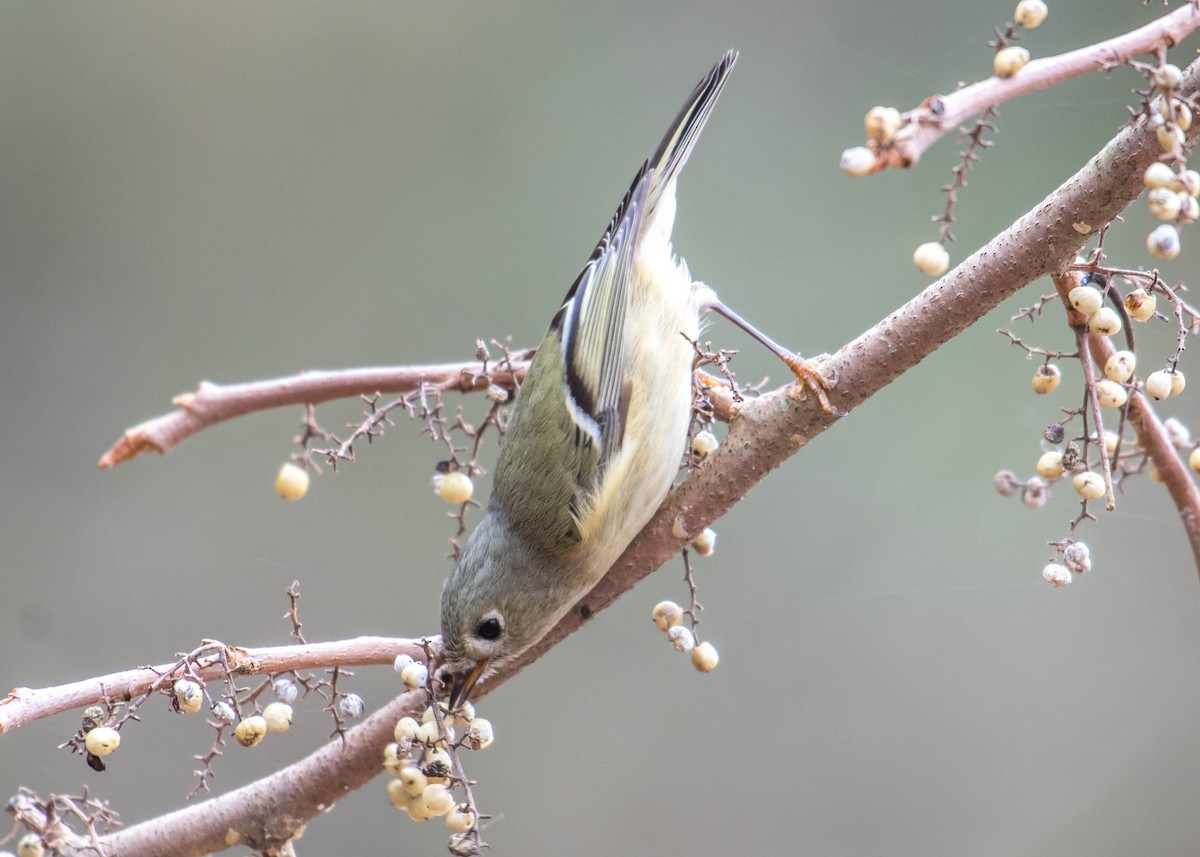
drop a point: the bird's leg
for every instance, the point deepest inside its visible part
(808, 373)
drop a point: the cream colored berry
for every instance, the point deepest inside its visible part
(460, 819)
(102, 740)
(479, 734)
(1110, 394)
(407, 729)
(1140, 305)
(858, 161)
(1183, 113)
(704, 444)
(250, 731)
(1050, 465)
(705, 543)
(681, 638)
(1056, 575)
(1189, 208)
(1120, 366)
(1030, 13)
(395, 760)
(1105, 322)
(931, 259)
(417, 810)
(397, 795)
(1156, 475)
(278, 717)
(188, 695)
(436, 764)
(1111, 439)
(291, 483)
(1159, 174)
(1163, 242)
(704, 657)
(413, 780)
(1008, 61)
(1089, 485)
(1086, 299)
(1167, 76)
(666, 614)
(456, 487)
(1178, 382)
(1158, 385)
(439, 800)
(882, 123)
(1188, 181)
(1194, 460)
(1163, 203)
(224, 712)
(31, 845)
(1170, 138)
(430, 734)
(415, 675)
(1077, 558)
(1046, 379)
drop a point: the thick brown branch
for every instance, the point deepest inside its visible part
(942, 114)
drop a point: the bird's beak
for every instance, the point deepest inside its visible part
(463, 683)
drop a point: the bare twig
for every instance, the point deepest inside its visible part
(215, 403)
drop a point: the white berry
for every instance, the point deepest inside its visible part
(1110, 394)
(1158, 385)
(1089, 486)
(1046, 379)
(681, 638)
(1050, 465)
(415, 675)
(1086, 299)
(251, 730)
(102, 740)
(1008, 61)
(1105, 321)
(278, 717)
(456, 487)
(931, 259)
(1030, 13)
(704, 657)
(291, 483)
(1056, 574)
(1120, 366)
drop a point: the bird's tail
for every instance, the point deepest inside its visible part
(672, 153)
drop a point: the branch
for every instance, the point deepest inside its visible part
(940, 114)
(766, 432)
(23, 705)
(215, 403)
(1154, 439)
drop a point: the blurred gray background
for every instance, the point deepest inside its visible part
(231, 191)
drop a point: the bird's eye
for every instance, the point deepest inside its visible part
(490, 628)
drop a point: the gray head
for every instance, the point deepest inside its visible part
(499, 600)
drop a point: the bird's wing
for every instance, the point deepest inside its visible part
(570, 414)
(591, 327)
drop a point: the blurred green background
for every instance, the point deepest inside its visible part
(231, 191)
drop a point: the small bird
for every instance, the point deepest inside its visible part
(599, 426)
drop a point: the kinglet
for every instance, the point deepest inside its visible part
(599, 426)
